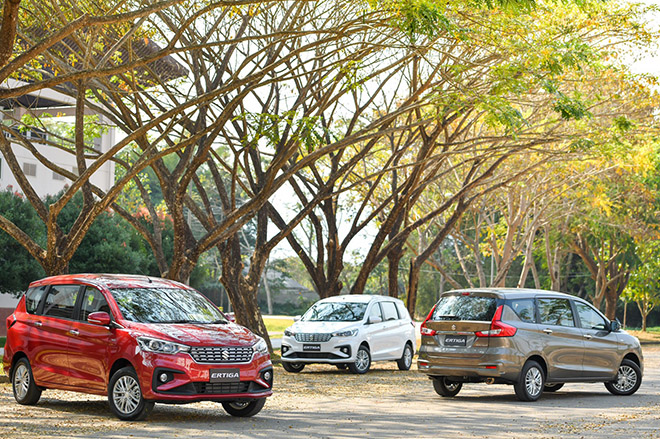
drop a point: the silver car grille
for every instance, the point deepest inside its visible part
(221, 354)
(318, 338)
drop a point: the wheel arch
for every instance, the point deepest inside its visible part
(118, 364)
(634, 358)
(539, 359)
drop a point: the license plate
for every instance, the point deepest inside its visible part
(224, 375)
(455, 340)
(312, 347)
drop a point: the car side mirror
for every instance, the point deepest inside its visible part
(296, 318)
(615, 325)
(374, 319)
(99, 318)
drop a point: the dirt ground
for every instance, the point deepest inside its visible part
(324, 402)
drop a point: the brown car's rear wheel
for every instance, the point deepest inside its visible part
(445, 387)
(530, 385)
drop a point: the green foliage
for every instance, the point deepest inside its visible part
(17, 267)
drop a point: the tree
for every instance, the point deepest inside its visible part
(644, 287)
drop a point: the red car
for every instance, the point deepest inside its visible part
(139, 340)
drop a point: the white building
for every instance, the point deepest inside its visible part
(43, 180)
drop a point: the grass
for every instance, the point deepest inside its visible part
(2, 341)
(277, 326)
(652, 334)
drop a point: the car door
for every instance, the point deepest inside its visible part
(51, 344)
(373, 327)
(562, 341)
(393, 336)
(90, 344)
(601, 355)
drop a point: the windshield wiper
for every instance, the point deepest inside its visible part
(448, 317)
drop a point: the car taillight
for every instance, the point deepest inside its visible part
(497, 327)
(423, 329)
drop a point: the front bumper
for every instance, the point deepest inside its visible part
(337, 350)
(189, 381)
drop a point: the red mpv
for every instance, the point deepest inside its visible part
(139, 340)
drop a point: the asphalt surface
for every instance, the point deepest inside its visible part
(323, 402)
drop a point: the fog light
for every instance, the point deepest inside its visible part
(267, 375)
(284, 349)
(163, 377)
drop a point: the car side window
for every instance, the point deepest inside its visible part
(375, 312)
(523, 309)
(389, 311)
(556, 312)
(403, 312)
(93, 301)
(589, 317)
(33, 298)
(61, 301)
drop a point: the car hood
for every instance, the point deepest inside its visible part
(193, 334)
(324, 327)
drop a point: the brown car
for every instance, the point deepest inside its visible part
(534, 340)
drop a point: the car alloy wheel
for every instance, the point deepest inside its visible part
(244, 409)
(532, 380)
(125, 396)
(26, 391)
(446, 387)
(405, 361)
(628, 379)
(362, 361)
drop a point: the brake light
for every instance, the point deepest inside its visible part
(423, 329)
(497, 327)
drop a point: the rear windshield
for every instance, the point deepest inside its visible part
(464, 307)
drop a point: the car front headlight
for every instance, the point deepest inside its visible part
(260, 346)
(351, 333)
(289, 333)
(149, 344)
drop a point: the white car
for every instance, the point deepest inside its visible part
(351, 331)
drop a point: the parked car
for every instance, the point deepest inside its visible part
(350, 331)
(532, 339)
(139, 340)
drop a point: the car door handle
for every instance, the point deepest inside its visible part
(547, 331)
(74, 332)
(587, 336)
(38, 324)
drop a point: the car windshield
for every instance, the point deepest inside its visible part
(166, 305)
(465, 307)
(335, 312)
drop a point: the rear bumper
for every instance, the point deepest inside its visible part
(500, 365)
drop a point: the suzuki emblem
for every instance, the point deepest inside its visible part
(225, 354)
(453, 327)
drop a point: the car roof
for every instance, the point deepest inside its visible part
(111, 281)
(514, 293)
(365, 298)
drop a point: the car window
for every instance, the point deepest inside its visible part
(375, 312)
(403, 312)
(465, 307)
(335, 312)
(61, 301)
(523, 310)
(589, 317)
(33, 298)
(556, 312)
(389, 311)
(93, 301)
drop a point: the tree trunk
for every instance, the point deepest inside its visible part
(393, 259)
(413, 282)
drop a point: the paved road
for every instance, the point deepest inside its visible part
(323, 402)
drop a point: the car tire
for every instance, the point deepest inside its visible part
(362, 361)
(26, 391)
(530, 385)
(244, 409)
(628, 379)
(552, 387)
(445, 387)
(293, 367)
(406, 359)
(125, 396)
